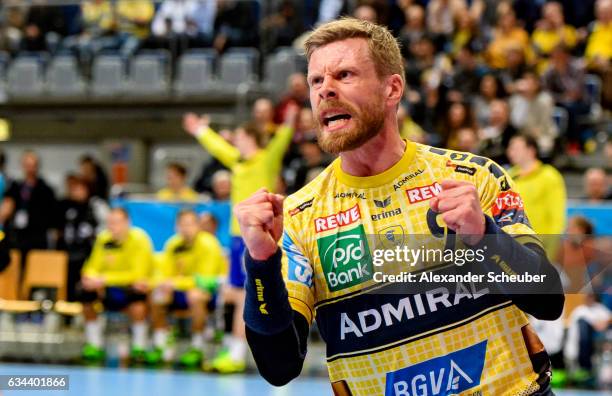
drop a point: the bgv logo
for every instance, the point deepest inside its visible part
(445, 375)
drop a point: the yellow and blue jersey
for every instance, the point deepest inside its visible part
(121, 264)
(379, 342)
(182, 262)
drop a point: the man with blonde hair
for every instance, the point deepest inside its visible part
(424, 338)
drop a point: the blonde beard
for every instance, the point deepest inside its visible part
(367, 125)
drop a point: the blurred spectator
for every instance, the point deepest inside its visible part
(441, 15)
(596, 186)
(532, 113)
(587, 321)
(465, 79)
(12, 16)
(176, 185)
(576, 252)
(4, 182)
(28, 206)
(179, 24)
(117, 274)
(209, 223)
(297, 94)
(413, 30)
(490, 89)
(408, 128)
(552, 335)
(5, 252)
(187, 276)
(598, 53)
(552, 31)
(366, 12)
(496, 134)
(542, 190)
(80, 218)
(516, 66)
(564, 79)
(332, 9)
(222, 185)
(459, 116)
(111, 25)
(311, 162)
(507, 35)
(426, 68)
(283, 27)
(95, 176)
(263, 115)
(44, 25)
(235, 24)
(467, 140)
(203, 183)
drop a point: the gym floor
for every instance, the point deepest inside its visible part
(143, 382)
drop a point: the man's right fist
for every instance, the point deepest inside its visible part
(261, 223)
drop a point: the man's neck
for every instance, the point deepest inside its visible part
(528, 166)
(376, 156)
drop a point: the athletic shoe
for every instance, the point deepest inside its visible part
(154, 357)
(137, 355)
(92, 353)
(559, 378)
(224, 364)
(191, 358)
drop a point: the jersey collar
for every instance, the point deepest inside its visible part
(380, 179)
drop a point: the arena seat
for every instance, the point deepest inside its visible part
(149, 74)
(9, 278)
(278, 67)
(108, 75)
(236, 68)
(64, 78)
(195, 73)
(25, 77)
(45, 268)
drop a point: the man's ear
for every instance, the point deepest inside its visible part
(394, 89)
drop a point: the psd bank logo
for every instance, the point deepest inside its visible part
(345, 258)
(442, 376)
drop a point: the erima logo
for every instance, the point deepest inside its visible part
(407, 308)
(406, 178)
(387, 214)
(345, 258)
(451, 374)
(382, 204)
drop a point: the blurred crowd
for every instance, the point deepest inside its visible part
(477, 71)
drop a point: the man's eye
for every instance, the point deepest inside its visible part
(316, 80)
(345, 74)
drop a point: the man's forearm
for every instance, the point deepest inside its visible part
(506, 255)
(276, 334)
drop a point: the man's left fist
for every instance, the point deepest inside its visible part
(459, 205)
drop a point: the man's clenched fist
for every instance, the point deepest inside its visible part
(460, 208)
(261, 223)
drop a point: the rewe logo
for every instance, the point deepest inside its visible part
(446, 375)
(345, 258)
(423, 193)
(339, 219)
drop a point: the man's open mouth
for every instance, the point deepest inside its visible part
(336, 119)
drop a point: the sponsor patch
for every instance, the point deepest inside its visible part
(423, 193)
(301, 207)
(508, 209)
(360, 195)
(406, 179)
(451, 374)
(345, 258)
(468, 170)
(340, 219)
(298, 267)
(386, 214)
(391, 236)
